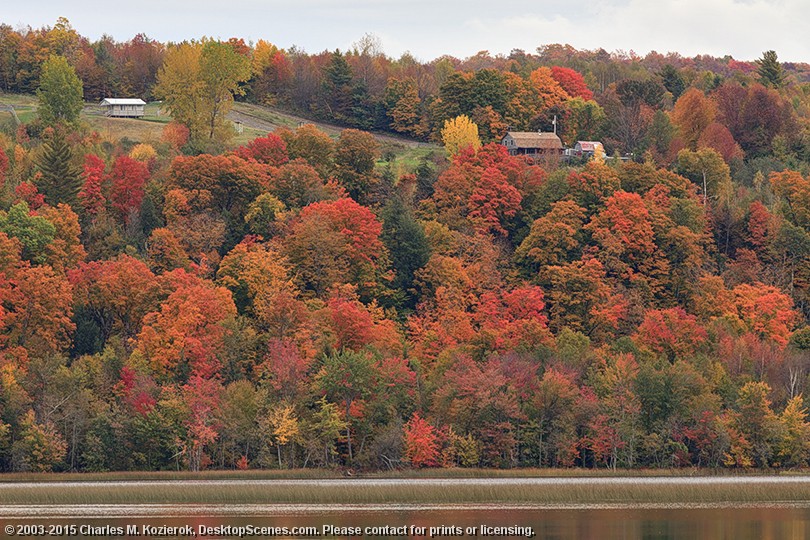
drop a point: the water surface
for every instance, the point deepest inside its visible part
(685, 520)
(557, 524)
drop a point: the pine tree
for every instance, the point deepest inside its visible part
(405, 239)
(337, 88)
(770, 70)
(60, 179)
(673, 80)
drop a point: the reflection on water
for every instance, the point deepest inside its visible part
(557, 524)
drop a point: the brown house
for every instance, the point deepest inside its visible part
(532, 143)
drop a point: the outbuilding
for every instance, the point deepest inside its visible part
(589, 148)
(124, 107)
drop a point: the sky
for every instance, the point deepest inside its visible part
(432, 28)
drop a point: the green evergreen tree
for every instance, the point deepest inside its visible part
(337, 88)
(60, 92)
(770, 70)
(673, 80)
(363, 107)
(60, 178)
(407, 244)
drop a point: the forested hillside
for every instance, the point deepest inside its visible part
(308, 301)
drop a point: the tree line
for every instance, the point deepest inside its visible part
(759, 109)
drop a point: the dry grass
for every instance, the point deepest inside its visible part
(24, 108)
(438, 473)
(570, 491)
(18, 100)
(256, 121)
(114, 129)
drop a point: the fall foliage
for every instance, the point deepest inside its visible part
(459, 134)
(311, 298)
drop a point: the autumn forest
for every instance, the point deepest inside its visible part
(307, 300)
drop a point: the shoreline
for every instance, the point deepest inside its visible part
(403, 474)
(547, 492)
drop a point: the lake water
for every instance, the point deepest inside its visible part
(782, 521)
(557, 524)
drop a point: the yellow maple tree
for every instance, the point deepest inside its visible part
(459, 133)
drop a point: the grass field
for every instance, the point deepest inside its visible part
(256, 121)
(18, 100)
(270, 119)
(24, 108)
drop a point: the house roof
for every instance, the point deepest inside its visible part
(588, 146)
(535, 139)
(122, 101)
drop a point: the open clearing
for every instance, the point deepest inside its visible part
(256, 121)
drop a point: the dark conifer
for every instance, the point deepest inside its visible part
(60, 178)
(405, 239)
(770, 70)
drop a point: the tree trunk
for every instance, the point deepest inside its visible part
(704, 188)
(349, 429)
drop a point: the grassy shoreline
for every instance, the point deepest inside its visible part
(306, 474)
(253, 488)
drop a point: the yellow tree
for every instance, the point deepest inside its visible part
(283, 427)
(794, 447)
(180, 86)
(263, 54)
(198, 81)
(757, 423)
(460, 133)
(221, 69)
(143, 152)
(39, 447)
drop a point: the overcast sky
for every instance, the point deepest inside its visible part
(431, 28)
